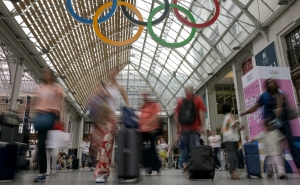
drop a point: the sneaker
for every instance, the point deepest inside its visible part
(40, 178)
(53, 171)
(101, 178)
(48, 173)
(154, 172)
(92, 169)
(283, 177)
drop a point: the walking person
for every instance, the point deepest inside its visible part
(274, 107)
(148, 125)
(106, 126)
(85, 150)
(189, 120)
(215, 142)
(230, 131)
(272, 138)
(48, 106)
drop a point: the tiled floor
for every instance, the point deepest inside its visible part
(167, 177)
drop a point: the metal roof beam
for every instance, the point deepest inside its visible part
(152, 88)
(257, 24)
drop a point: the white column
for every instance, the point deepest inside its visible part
(16, 85)
(208, 125)
(236, 87)
(170, 133)
(79, 138)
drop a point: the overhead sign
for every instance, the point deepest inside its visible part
(267, 57)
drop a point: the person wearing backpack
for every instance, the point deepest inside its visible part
(189, 120)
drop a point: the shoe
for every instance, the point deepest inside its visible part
(48, 173)
(40, 178)
(269, 176)
(92, 169)
(154, 172)
(283, 177)
(101, 178)
(53, 171)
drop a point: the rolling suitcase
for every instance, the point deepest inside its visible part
(8, 160)
(252, 159)
(75, 164)
(129, 150)
(202, 163)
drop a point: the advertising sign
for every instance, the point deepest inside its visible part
(254, 86)
(267, 57)
(247, 66)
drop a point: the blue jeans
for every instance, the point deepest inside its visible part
(190, 140)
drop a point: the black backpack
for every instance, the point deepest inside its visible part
(187, 113)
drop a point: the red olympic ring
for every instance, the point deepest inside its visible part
(202, 25)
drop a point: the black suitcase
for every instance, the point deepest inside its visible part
(129, 154)
(8, 160)
(75, 164)
(202, 163)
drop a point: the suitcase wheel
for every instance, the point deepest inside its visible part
(249, 176)
(259, 176)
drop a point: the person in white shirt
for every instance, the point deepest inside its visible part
(85, 149)
(271, 139)
(163, 149)
(215, 142)
(230, 132)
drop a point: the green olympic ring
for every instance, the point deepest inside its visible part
(162, 42)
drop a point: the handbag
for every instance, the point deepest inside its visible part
(276, 123)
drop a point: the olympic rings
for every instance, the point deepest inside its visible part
(202, 25)
(162, 42)
(274, 72)
(115, 3)
(157, 21)
(117, 43)
(88, 21)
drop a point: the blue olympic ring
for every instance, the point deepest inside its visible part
(90, 21)
(274, 72)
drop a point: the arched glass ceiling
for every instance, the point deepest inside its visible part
(77, 52)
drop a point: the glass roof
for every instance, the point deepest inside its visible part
(78, 53)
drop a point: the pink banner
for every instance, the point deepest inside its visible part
(252, 93)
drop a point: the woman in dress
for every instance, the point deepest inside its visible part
(105, 128)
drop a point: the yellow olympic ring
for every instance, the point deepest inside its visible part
(117, 43)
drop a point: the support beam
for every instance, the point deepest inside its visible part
(16, 86)
(257, 24)
(237, 97)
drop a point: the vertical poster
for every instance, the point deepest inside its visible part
(252, 91)
(254, 86)
(247, 66)
(282, 75)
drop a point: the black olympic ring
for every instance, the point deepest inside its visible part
(157, 21)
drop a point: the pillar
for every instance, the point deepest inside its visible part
(79, 138)
(208, 125)
(238, 96)
(16, 85)
(170, 133)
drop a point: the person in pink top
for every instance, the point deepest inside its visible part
(148, 125)
(48, 106)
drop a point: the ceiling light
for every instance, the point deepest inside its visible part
(45, 51)
(283, 2)
(236, 48)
